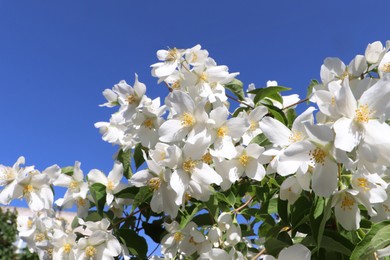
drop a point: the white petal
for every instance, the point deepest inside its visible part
(275, 131)
(324, 180)
(347, 134)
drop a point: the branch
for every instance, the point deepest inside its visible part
(296, 103)
(244, 205)
(130, 215)
(259, 254)
(239, 101)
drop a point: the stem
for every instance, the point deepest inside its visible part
(239, 101)
(170, 89)
(259, 254)
(296, 103)
(243, 205)
(129, 216)
(154, 250)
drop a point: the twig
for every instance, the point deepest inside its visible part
(239, 101)
(237, 210)
(259, 254)
(130, 215)
(154, 250)
(296, 103)
(170, 89)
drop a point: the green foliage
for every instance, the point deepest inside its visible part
(8, 234)
(235, 86)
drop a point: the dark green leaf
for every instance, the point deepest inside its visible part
(282, 210)
(269, 92)
(329, 244)
(326, 216)
(291, 114)
(135, 243)
(313, 83)
(278, 114)
(235, 86)
(127, 193)
(93, 216)
(238, 110)
(274, 246)
(203, 220)
(98, 192)
(124, 158)
(138, 155)
(155, 230)
(377, 238)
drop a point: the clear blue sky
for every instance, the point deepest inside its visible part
(56, 58)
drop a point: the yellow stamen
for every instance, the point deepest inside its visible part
(28, 189)
(296, 136)
(178, 236)
(148, 123)
(362, 114)
(347, 202)
(74, 185)
(363, 183)
(318, 156)
(154, 183)
(172, 55)
(81, 202)
(29, 223)
(131, 99)
(67, 248)
(189, 165)
(222, 131)
(187, 119)
(110, 185)
(207, 158)
(176, 84)
(194, 57)
(244, 159)
(254, 125)
(203, 77)
(386, 67)
(40, 237)
(90, 251)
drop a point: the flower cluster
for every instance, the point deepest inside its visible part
(260, 181)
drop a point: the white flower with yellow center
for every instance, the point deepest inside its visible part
(187, 118)
(170, 60)
(369, 185)
(112, 181)
(346, 209)
(64, 245)
(157, 179)
(362, 121)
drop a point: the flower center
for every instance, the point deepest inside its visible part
(172, 55)
(244, 159)
(362, 114)
(296, 136)
(110, 185)
(40, 237)
(363, 183)
(207, 158)
(74, 185)
(29, 223)
(81, 202)
(176, 84)
(386, 67)
(347, 202)
(154, 183)
(203, 77)
(187, 119)
(222, 131)
(318, 156)
(148, 123)
(131, 99)
(90, 251)
(254, 125)
(67, 248)
(28, 189)
(189, 165)
(178, 236)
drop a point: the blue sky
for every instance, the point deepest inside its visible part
(56, 58)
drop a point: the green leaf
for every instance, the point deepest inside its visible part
(260, 139)
(98, 192)
(138, 155)
(142, 196)
(274, 246)
(277, 113)
(330, 244)
(282, 210)
(235, 86)
(269, 92)
(93, 216)
(377, 238)
(212, 206)
(124, 157)
(67, 170)
(203, 220)
(291, 114)
(127, 193)
(313, 83)
(238, 110)
(155, 230)
(135, 243)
